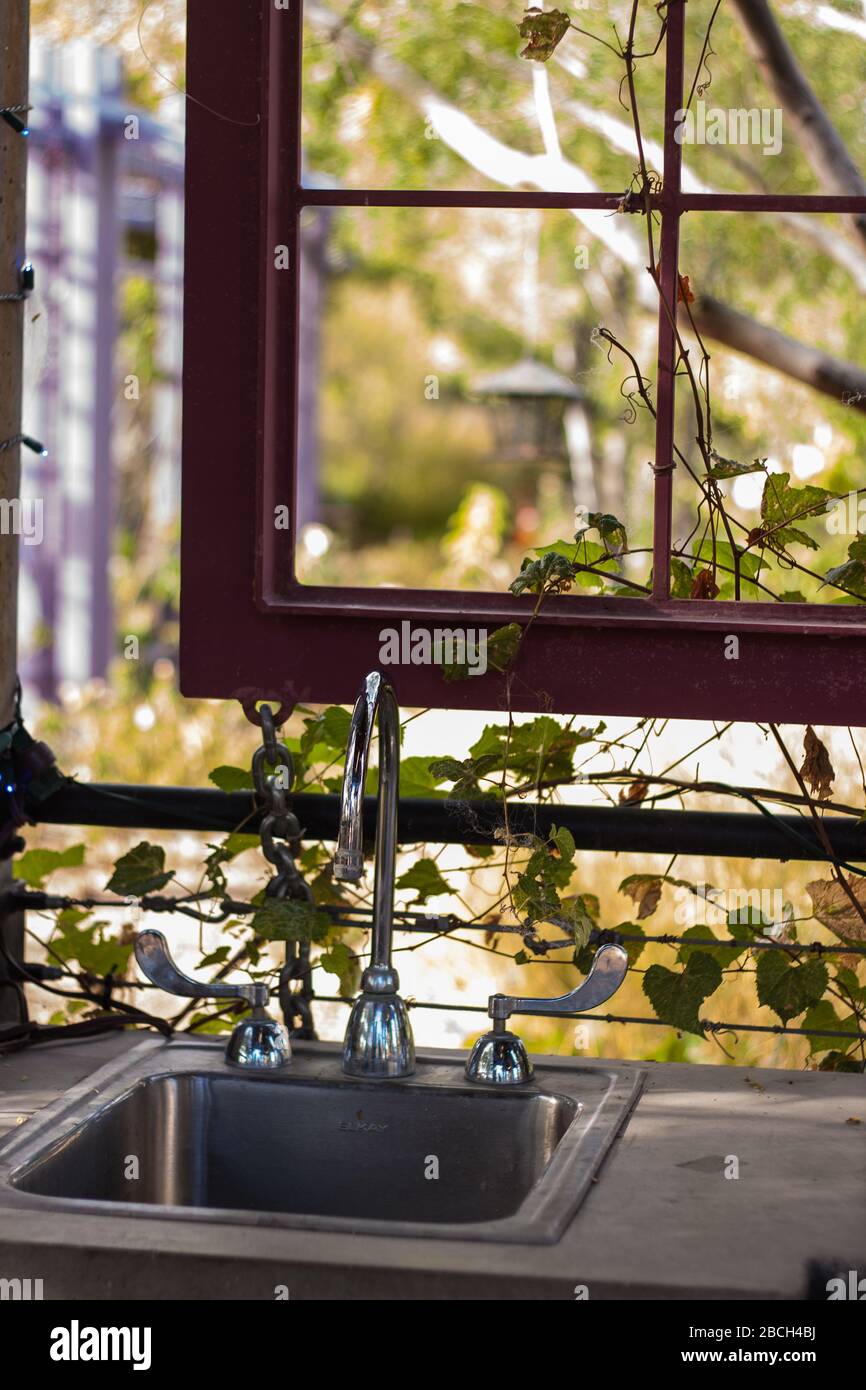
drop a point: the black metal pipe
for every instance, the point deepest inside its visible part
(733, 834)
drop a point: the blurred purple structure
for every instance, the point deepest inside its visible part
(104, 181)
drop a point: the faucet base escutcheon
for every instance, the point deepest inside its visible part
(379, 1041)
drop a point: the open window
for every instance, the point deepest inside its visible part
(357, 226)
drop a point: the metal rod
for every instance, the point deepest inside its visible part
(709, 1025)
(731, 834)
(14, 73)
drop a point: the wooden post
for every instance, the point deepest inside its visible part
(14, 42)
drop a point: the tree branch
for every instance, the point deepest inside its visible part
(822, 144)
(512, 168)
(832, 376)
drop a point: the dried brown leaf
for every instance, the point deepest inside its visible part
(704, 586)
(631, 795)
(645, 890)
(544, 29)
(834, 909)
(817, 769)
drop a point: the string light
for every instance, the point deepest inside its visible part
(26, 282)
(11, 117)
(26, 439)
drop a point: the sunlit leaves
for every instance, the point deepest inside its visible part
(425, 879)
(34, 866)
(696, 938)
(721, 559)
(782, 505)
(851, 574)
(549, 869)
(682, 579)
(551, 573)
(541, 750)
(338, 960)
(729, 468)
(329, 729)
(418, 779)
(90, 943)
(612, 531)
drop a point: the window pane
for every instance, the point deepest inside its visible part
(437, 97)
(779, 302)
(738, 136)
(457, 403)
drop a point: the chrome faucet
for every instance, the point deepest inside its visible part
(500, 1057)
(379, 1040)
(258, 1042)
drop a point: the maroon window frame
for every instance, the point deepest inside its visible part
(248, 627)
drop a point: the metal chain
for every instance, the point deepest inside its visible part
(280, 833)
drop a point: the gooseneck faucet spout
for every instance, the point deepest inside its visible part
(379, 1039)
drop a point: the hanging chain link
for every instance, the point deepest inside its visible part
(280, 833)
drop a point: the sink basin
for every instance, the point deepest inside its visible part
(173, 1132)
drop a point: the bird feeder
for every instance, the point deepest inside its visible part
(527, 406)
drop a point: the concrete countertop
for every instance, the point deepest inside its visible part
(662, 1220)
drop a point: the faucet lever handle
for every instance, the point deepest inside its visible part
(606, 974)
(499, 1057)
(155, 961)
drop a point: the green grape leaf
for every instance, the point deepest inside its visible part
(564, 841)
(338, 960)
(141, 870)
(682, 579)
(92, 945)
(678, 996)
(840, 1061)
(34, 866)
(729, 468)
(698, 934)
(552, 573)
(426, 880)
(823, 1015)
(330, 729)
(786, 988)
(417, 779)
(284, 919)
(850, 576)
(231, 779)
(782, 504)
(501, 649)
(503, 645)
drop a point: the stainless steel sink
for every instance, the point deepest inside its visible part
(172, 1132)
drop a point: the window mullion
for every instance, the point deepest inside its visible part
(668, 283)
